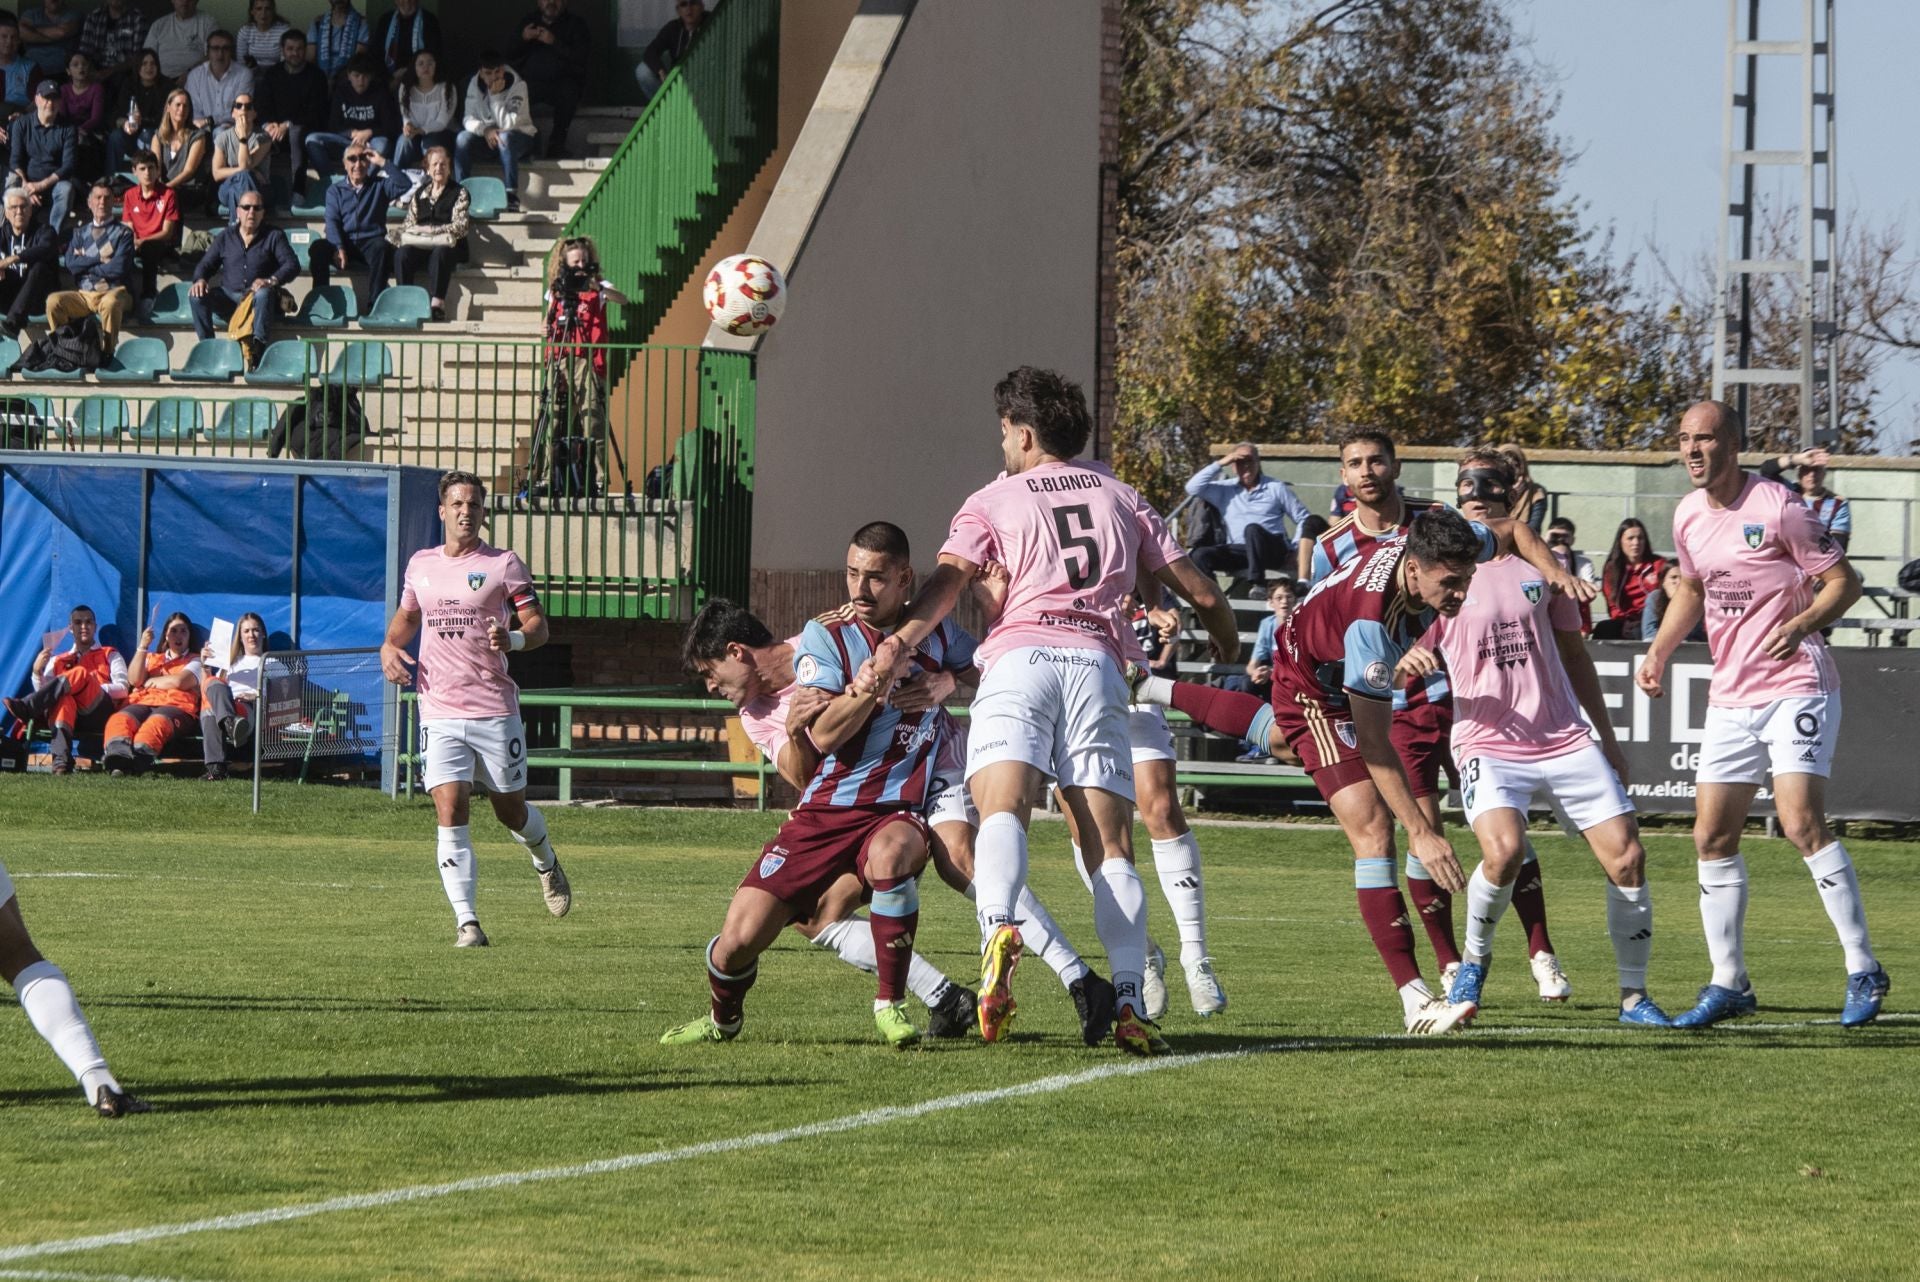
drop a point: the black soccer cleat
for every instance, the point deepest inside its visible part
(1093, 999)
(953, 1014)
(111, 1103)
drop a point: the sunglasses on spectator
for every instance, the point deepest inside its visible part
(253, 208)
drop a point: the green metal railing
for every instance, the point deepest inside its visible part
(634, 502)
(691, 156)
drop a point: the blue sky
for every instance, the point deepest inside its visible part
(1642, 93)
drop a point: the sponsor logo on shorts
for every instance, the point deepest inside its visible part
(988, 746)
(1806, 723)
(771, 862)
(477, 580)
(1347, 736)
(1753, 534)
(1378, 675)
(1068, 660)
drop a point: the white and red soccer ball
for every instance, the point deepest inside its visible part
(745, 294)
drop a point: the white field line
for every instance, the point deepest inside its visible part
(767, 1139)
(43, 1275)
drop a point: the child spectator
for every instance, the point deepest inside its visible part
(364, 114)
(152, 214)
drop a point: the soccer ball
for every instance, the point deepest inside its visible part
(745, 294)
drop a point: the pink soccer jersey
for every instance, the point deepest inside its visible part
(1070, 537)
(765, 719)
(1511, 696)
(1755, 556)
(459, 677)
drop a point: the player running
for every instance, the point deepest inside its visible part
(1052, 701)
(466, 593)
(1332, 701)
(1517, 734)
(1756, 562)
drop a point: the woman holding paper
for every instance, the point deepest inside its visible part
(165, 697)
(230, 698)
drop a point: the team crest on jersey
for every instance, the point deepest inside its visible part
(477, 580)
(770, 863)
(1535, 589)
(1347, 736)
(1753, 534)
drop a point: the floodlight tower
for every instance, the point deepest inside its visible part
(1813, 265)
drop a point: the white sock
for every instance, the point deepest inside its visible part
(1155, 690)
(1039, 933)
(48, 999)
(851, 940)
(534, 838)
(999, 870)
(1486, 904)
(1840, 891)
(1120, 919)
(1630, 925)
(1723, 915)
(1177, 861)
(1080, 866)
(457, 872)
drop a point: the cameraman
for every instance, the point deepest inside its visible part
(577, 298)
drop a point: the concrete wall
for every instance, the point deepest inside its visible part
(958, 241)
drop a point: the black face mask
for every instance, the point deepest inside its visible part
(1484, 484)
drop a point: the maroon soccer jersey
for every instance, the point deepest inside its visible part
(1347, 540)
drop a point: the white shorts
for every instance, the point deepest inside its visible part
(1791, 736)
(1062, 711)
(947, 798)
(6, 886)
(495, 748)
(1147, 729)
(1580, 783)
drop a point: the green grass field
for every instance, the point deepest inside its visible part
(285, 992)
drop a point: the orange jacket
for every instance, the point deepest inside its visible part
(98, 661)
(159, 665)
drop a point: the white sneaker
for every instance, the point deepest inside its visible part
(1203, 986)
(470, 936)
(1554, 985)
(1153, 985)
(1437, 1015)
(555, 889)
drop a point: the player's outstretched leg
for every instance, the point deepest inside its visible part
(950, 1006)
(48, 1000)
(755, 919)
(529, 828)
(1530, 906)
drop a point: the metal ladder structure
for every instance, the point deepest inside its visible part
(1813, 268)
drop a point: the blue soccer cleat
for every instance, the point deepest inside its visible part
(1645, 1014)
(1865, 992)
(1716, 1003)
(1467, 983)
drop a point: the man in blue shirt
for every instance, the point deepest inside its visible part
(357, 224)
(1255, 508)
(100, 256)
(249, 258)
(42, 156)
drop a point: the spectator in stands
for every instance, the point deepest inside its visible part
(293, 100)
(1656, 607)
(259, 43)
(1256, 510)
(16, 74)
(499, 122)
(1834, 513)
(29, 262)
(230, 695)
(435, 231)
(576, 300)
(429, 111)
(181, 150)
(113, 36)
(145, 96)
(670, 46)
(1529, 496)
(215, 83)
(163, 699)
(363, 114)
(242, 156)
(50, 31)
(43, 157)
(1631, 571)
(74, 693)
(246, 263)
(552, 57)
(337, 37)
(357, 224)
(1282, 596)
(152, 214)
(83, 104)
(180, 38)
(100, 257)
(401, 36)
(1560, 536)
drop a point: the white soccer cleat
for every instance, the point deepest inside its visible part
(470, 936)
(1554, 985)
(1437, 1015)
(1203, 986)
(556, 890)
(1153, 984)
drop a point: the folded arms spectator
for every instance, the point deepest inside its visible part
(435, 231)
(100, 257)
(29, 262)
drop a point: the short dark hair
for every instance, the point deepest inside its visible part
(98, 184)
(1441, 536)
(492, 59)
(1368, 435)
(1048, 402)
(145, 158)
(719, 624)
(450, 479)
(1283, 582)
(218, 32)
(293, 34)
(365, 64)
(884, 537)
(1561, 523)
(80, 609)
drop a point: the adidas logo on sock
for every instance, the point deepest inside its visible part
(905, 941)
(1640, 934)
(1188, 883)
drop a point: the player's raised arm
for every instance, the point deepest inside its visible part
(1518, 537)
(931, 604)
(1203, 594)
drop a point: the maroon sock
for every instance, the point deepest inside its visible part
(1435, 907)
(1227, 711)
(1385, 913)
(894, 917)
(1530, 906)
(729, 991)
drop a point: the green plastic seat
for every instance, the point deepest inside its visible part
(280, 365)
(171, 418)
(171, 306)
(362, 365)
(247, 419)
(98, 418)
(486, 197)
(399, 307)
(135, 360)
(212, 360)
(334, 307)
